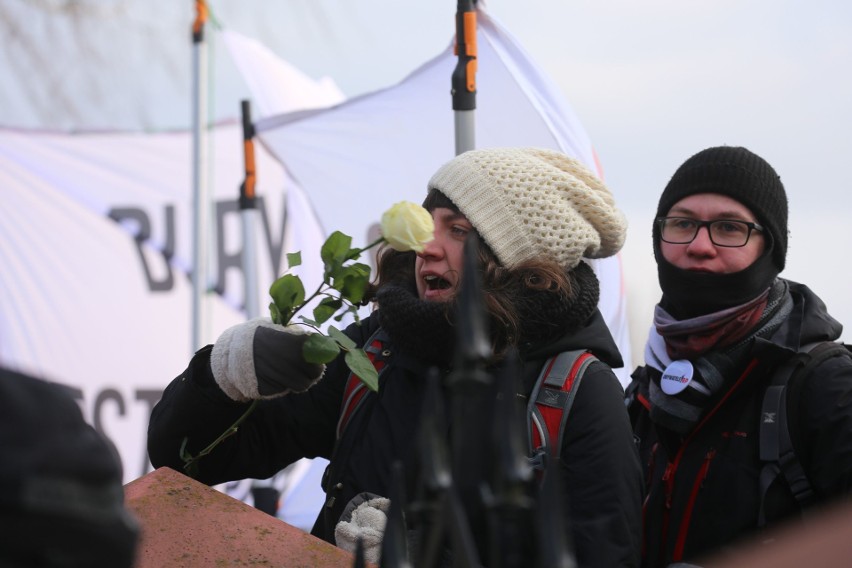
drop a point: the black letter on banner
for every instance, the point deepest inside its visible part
(275, 249)
(151, 397)
(226, 260)
(144, 233)
(103, 396)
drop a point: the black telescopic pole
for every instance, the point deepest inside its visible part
(248, 212)
(464, 76)
(248, 216)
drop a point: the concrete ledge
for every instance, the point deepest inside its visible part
(186, 524)
(824, 540)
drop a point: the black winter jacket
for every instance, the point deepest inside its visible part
(702, 490)
(602, 478)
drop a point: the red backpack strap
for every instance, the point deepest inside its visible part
(355, 391)
(552, 398)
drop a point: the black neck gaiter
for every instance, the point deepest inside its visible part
(423, 328)
(688, 294)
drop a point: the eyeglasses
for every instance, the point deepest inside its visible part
(723, 232)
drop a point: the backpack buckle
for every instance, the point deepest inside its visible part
(538, 460)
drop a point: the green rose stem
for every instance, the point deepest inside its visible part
(319, 290)
(189, 461)
(190, 464)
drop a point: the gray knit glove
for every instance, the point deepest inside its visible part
(364, 518)
(260, 359)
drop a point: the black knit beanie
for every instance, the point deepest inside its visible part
(739, 174)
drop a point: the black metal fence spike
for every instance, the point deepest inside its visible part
(471, 392)
(395, 540)
(554, 548)
(433, 451)
(511, 511)
(473, 345)
(462, 546)
(359, 554)
(426, 511)
(509, 431)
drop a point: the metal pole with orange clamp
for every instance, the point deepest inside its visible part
(248, 212)
(464, 76)
(200, 190)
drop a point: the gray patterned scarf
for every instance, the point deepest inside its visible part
(712, 370)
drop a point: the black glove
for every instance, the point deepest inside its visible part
(260, 359)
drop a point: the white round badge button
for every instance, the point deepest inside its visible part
(676, 377)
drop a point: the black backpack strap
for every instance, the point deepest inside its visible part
(776, 446)
(630, 392)
(551, 400)
(356, 392)
(777, 453)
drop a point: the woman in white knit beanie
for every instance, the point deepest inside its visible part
(537, 213)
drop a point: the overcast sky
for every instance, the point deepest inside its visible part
(653, 81)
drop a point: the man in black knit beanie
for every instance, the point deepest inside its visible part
(722, 330)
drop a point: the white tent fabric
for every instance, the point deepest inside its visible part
(276, 86)
(356, 159)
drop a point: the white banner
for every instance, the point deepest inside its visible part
(94, 243)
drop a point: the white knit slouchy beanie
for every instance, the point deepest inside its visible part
(532, 202)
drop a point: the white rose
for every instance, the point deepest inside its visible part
(406, 226)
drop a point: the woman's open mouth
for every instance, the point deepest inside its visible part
(434, 282)
(437, 288)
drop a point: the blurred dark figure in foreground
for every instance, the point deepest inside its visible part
(61, 493)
